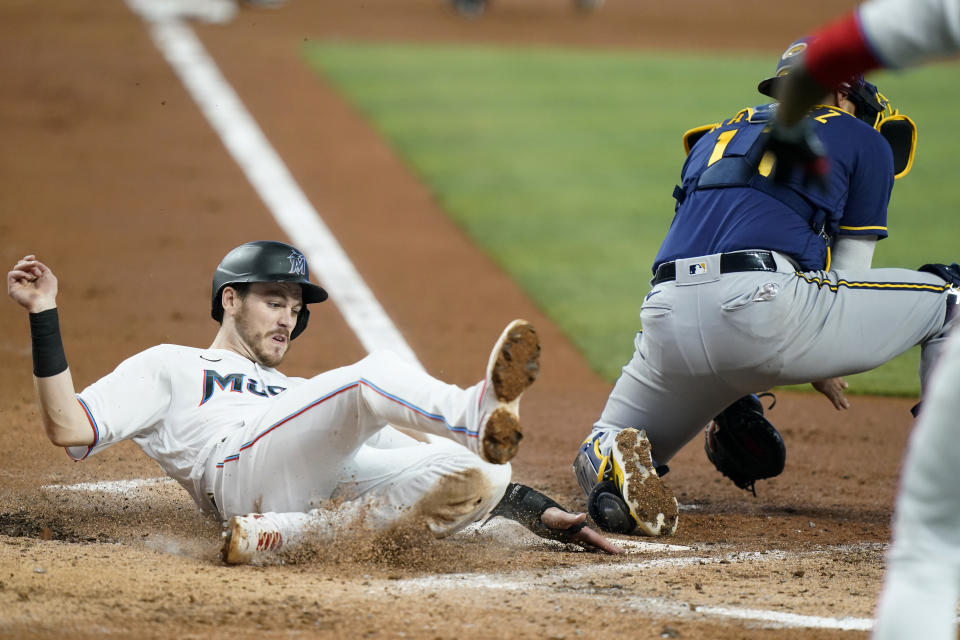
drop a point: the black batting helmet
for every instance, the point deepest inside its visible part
(266, 261)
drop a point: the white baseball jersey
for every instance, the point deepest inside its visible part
(176, 402)
(240, 437)
(922, 583)
(904, 33)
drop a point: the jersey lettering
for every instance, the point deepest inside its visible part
(253, 386)
(766, 164)
(725, 138)
(212, 380)
(822, 118)
(743, 113)
(722, 141)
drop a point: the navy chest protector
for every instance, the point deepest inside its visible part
(738, 160)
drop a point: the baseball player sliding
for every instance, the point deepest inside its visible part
(761, 283)
(265, 452)
(922, 583)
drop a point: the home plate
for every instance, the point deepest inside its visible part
(641, 546)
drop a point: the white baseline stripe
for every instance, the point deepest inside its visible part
(790, 619)
(562, 579)
(273, 182)
(110, 486)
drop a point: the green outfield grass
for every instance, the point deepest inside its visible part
(561, 164)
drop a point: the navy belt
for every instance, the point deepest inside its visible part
(729, 263)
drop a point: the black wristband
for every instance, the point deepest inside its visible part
(48, 356)
(526, 506)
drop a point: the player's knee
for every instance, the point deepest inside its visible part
(462, 497)
(383, 365)
(950, 317)
(379, 359)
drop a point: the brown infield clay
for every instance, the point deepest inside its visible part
(112, 177)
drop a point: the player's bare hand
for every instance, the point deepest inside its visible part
(32, 285)
(559, 519)
(833, 388)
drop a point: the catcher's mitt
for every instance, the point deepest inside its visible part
(743, 445)
(949, 272)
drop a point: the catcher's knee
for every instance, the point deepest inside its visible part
(953, 309)
(743, 445)
(950, 274)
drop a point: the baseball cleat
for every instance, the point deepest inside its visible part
(513, 366)
(592, 464)
(593, 468)
(651, 502)
(249, 539)
(624, 490)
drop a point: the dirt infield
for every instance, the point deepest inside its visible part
(111, 175)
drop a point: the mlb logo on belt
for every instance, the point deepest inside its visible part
(698, 269)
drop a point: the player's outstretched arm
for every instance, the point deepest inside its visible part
(559, 520)
(33, 286)
(543, 516)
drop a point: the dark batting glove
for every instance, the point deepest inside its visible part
(797, 147)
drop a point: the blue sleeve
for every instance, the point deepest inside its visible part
(871, 181)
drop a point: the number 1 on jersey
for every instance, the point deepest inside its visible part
(722, 141)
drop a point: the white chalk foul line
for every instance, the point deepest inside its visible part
(111, 486)
(271, 179)
(782, 618)
(214, 11)
(562, 579)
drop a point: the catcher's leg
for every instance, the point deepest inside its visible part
(671, 407)
(852, 321)
(644, 402)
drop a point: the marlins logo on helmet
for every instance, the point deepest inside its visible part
(298, 263)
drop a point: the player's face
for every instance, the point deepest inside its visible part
(265, 318)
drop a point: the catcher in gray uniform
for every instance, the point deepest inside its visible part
(761, 283)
